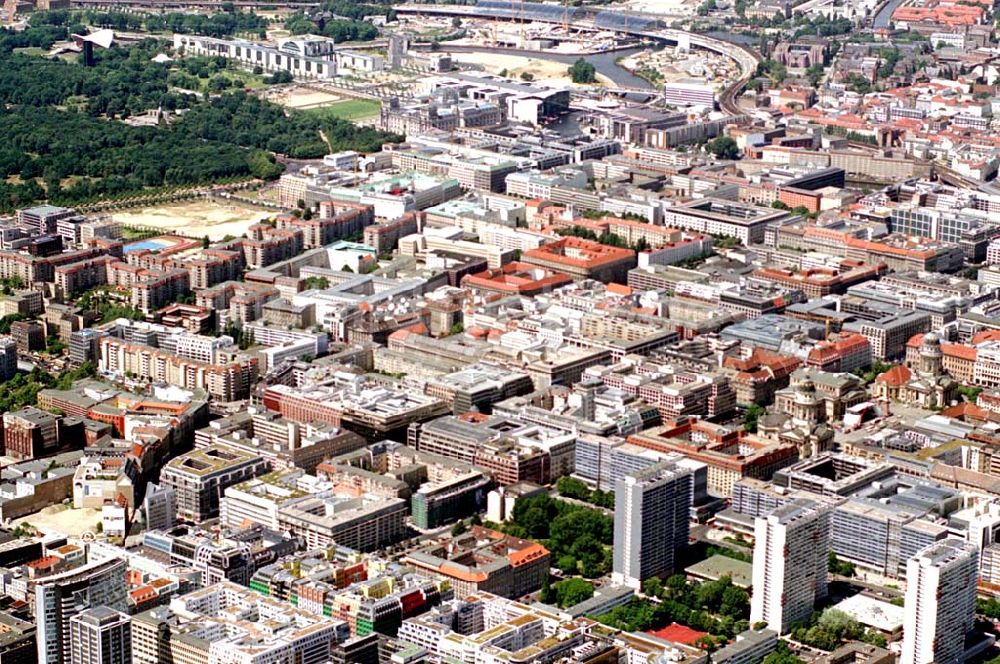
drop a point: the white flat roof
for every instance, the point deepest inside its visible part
(872, 612)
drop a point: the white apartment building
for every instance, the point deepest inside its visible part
(202, 347)
(509, 239)
(940, 602)
(652, 521)
(986, 370)
(790, 562)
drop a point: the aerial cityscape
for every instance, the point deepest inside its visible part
(499, 332)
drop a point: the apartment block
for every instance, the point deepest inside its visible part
(940, 602)
(790, 564)
(652, 508)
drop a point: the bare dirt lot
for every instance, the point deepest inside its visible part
(214, 218)
(63, 519)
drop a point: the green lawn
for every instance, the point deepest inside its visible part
(250, 80)
(350, 109)
(31, 50)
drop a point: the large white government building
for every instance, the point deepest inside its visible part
(305, 56)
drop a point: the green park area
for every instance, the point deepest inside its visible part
(353, 110)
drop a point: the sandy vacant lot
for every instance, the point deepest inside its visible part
(300, 98)
(63, 519)
(671, 65)
(541, 70)
(216, 219)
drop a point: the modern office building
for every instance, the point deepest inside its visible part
(366, 522)
(83, 346)
(199, 478)
(100, 635)
(652, 510)
(940, 602)
(750, 647)
(17, 640)
(8, 358)
(43, 218)
(29, 433)
(159, 507)
(61, 596)
(721, 217)
(790, 561)
(887, 334)
(304, 56)
(689, 93)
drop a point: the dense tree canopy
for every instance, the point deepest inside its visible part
(723, 147)
(574, 488)
(717, 607)
(578, 537)
(220, 24)
(339, 30)
(106, 158)
(570, 592)
(245, 120)
(123, 81)
(582, 72)
(53, 147)
(22, 390)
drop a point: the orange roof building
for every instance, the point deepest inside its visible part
(820, 282)
(517, 279)
(943, 12)
(583, 259)
(959, 360)
(895, 377)
(485, 560)
(846, 351)
(760, 375)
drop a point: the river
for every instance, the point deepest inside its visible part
(881, 19)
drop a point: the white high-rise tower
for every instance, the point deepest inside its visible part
(940, 602)
(790, 561)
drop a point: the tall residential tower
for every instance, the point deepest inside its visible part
(940, 602)
(790, 561)
(652, 521)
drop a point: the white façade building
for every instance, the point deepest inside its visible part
(305, 57)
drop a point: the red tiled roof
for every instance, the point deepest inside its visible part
(896, 376)
(960, 351)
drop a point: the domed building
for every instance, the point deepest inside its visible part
(803, 411)
(927, 385)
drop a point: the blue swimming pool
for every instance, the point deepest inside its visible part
(152, 245)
